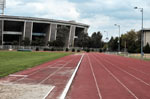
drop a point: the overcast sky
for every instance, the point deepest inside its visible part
(101, 15)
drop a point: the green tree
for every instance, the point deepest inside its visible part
(96, 40)
(26, 42)
(146, 49)
(38, 42)
(82, 40)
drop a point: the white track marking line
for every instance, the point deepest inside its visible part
(128, 73)
(55, 72)
(117, 79)
(48, 92)
(134, 69)
(138, 71)
(37, 71)
(13, 75)
(67, 87)
(98, 89)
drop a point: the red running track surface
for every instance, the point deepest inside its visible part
(55, 73)
(104, 76)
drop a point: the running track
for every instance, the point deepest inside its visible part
(103, 76)
(100, 76)
(55, 73)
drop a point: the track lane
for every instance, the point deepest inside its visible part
(83, 86)
(108, 82)
(140, 89)
(105, 83)
(126, 68)
(138, 65)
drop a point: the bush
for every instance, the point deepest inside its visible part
(78, 50)
(100, 50)
(52, 49)
(73, 50)
(88, 50)
(37, 49)
(92, 50)
(67, 49)
(46, 49)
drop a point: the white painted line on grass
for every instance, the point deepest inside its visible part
(98, 89)
(48, 92)
(64, 93)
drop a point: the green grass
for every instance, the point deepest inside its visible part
(11, 62)
(137, 57)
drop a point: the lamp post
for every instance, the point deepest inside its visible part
(142, 53)
(107, 38)
(119, 37)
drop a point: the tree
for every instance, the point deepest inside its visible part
(146, 49)
(26, 42)
(82, 40)
(15, 43)
(113, 44)
(38, 42)
(62, 35)
(96, 40)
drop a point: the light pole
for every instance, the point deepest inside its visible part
(118, 38)
(107, 38)
(142, 54)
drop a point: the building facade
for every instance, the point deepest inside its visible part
(146, 36)
(16, 28)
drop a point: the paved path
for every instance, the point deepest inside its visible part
(103, 76)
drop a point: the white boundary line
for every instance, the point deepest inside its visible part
(48, 92)
(55, 72)
(117, 79)
(13, 75)
(127, 72)
(98, 89)
(37, 71)
(64, 93)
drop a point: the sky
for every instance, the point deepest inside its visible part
(101, 15)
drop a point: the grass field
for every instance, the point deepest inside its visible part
(11, 62)
(138, 56)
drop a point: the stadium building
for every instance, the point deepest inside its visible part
(146, 36)
(16, 28)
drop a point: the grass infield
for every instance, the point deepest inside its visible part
(11, 62)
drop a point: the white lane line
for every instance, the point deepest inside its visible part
(36, 71)
(98, 89)
(13, 75)
(128, 73)
(117, 79)
(67, 87)
(48, 92)
(133, 68)
(54, 72)
(139, 71)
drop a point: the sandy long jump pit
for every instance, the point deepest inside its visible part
(24, 91)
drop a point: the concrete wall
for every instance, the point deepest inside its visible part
(71, 35)
(28, 30)
(1, 31)
(53, 32)
(146, 37)
(47, 38)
